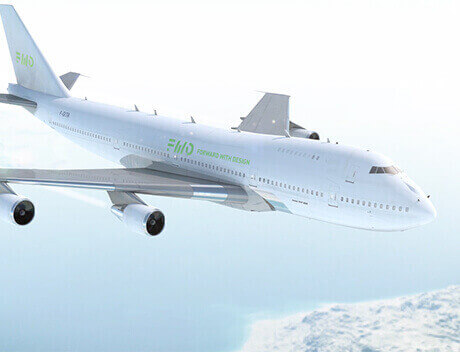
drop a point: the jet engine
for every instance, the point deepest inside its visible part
(141, 218)
(16, 209)
(303, 133)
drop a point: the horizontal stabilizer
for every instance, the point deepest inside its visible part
(14, 100)
(69, 79)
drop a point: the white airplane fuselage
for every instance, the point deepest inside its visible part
(310, 178)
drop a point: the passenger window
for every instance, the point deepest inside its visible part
(352, 201)
(357, 202)
(375, 205)
(381, 206)
(407, 209)
(400, 208)
(394, 207)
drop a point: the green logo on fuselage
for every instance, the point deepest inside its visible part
(24, 59)
(180, 147)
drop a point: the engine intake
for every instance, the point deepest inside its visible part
(141, 218)
(303, 133)
(16, 209)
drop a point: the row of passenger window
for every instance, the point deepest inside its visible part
(392, 170)
(291, 187)
(186, 160)
(373, 204)
(145, 149)
(212, 167)
(297, 153)
(82, 132)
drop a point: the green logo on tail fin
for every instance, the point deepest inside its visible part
(24, 59)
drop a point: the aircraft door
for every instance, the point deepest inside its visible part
(333, 195)
(253, 177)
(351, 173)
(115, 143)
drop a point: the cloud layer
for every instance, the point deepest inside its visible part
(423, 322)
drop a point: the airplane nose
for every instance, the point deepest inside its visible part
(426, 211)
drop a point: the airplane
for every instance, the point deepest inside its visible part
(268, 163)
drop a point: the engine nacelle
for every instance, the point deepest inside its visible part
(303, 133)
(141, 218)
(15, 209)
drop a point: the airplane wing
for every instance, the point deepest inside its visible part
(141, 181)
(122, 186)
(269, 116)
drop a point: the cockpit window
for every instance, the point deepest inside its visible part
(392, 170)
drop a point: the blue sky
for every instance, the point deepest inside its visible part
(383, 77)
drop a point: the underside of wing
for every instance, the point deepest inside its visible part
(269, 116)
(142, 181)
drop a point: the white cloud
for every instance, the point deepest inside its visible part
(423, 322)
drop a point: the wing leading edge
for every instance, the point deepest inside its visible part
(141, 181)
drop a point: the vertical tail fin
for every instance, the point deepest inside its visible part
(31, 68)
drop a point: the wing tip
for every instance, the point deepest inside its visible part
(271, 93)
